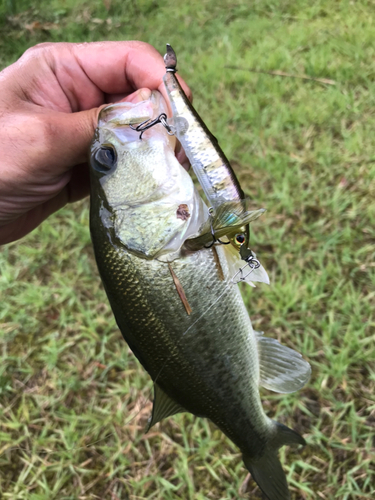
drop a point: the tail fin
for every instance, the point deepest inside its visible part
(269, 475)
(267, 471)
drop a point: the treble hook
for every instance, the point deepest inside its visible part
(214, 239)
(162, 118)
(251, 262)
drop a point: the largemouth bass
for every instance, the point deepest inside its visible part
(180, 311)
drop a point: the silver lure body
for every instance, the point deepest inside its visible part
(207, 159)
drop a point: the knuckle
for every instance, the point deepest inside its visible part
(37, 50)
(143, 47)
(45, 50)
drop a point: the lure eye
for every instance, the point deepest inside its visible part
(105, 158)
(240, 238)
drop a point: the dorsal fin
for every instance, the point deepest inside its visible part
(163, 407)
(281, 369)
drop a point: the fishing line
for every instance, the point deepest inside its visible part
(209, 307)
(191, 326)
(230, 283)
(148, 399)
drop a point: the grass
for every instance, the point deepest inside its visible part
(73, 400)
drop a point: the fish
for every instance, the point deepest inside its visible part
(181, 311)
(229, 213)
(228, 203)
(212, 168)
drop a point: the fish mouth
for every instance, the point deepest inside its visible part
(123, 117)
(119, 116)
(129, 113)
(153, 202)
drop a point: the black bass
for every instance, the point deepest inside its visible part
(180, 311)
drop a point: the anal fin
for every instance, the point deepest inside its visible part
(163, 407)
(281, 369)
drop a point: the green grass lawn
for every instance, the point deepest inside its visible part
(73, 399)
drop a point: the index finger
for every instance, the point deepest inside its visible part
(115, 68)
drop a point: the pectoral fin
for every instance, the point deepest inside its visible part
(163, 407)
(281, 369)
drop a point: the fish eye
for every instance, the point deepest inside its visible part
(240, 238)
(105, 158)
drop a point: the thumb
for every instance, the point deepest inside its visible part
(72, 133)
(68, 136)
(50, 172)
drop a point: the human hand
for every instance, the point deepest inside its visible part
(49, 104)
